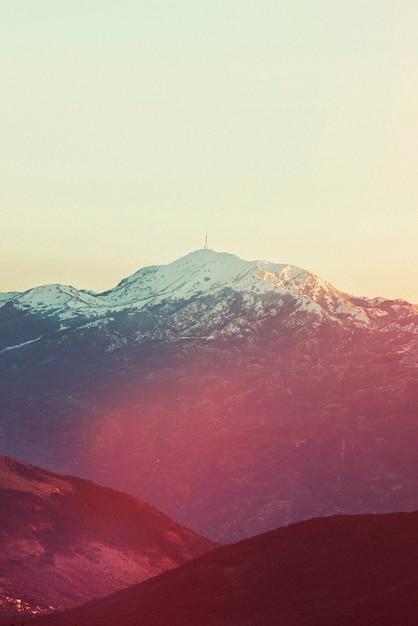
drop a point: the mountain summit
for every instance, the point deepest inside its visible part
(193, 282)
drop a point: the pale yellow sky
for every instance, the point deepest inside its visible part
(287, 129)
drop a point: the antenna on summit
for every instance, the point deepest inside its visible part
(206, 247)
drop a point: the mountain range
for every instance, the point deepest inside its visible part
(64, 540)
(234, 396)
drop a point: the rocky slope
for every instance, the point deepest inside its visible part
(345, 571)
(235, 396)
(64, 540)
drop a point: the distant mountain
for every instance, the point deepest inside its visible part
(200, 278)
(338, 571)
(235, 396)
(64, 540)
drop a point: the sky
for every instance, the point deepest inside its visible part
(285, 129)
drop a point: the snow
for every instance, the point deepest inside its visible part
(19, 345)
(198, 274)
(56, 299)
(202, 272)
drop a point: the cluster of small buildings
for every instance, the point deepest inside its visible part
(10, 605)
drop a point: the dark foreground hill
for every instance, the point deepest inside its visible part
(338, 571)
(65, 540)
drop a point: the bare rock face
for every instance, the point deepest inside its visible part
(65, 540)
(235, 396)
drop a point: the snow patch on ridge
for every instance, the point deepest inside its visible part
(19, 345)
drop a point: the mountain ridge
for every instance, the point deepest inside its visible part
(200, 273)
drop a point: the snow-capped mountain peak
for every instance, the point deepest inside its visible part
(204, 274)
(202, 271)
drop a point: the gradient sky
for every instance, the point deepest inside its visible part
(287, 129)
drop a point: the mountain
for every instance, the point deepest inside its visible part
(235, 396)
(64, 540)
(337, 571)
(199, 278)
